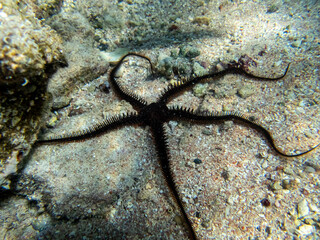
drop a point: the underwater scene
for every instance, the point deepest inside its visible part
(168, 119)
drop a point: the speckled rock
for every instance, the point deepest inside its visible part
(27, 46)
(30, 53)
(246, 91)
(200, 90)
(199, 70)
(303, 208)
(114, 57)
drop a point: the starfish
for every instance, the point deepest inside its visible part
(157, 113)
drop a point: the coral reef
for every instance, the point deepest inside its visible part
(27, 46)
(30, 53)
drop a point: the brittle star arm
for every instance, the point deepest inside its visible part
(164, 156)
(98, 129)
(122, 91)
(209, 117)
(178, 87)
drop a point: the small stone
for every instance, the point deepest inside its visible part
(201, 20)
(272, 8)
(226, 107)
(288, 171)
(288, 184)
(183, 66)
(15, 120)
(199, 70)
(187, 51)
(277, 203)
(200, 90)
(265, 202)
(205, 223)
(207, 131)
(278, 63)
(296, 43)
(197, 161)
(174, 53)
(314, 208)
(193, 52)
(225, 174)
(40, 223)
(52, 121)
(305, 230)
(165, 65)
(60, 102)
(264, 165)
(303, 208)
(309, 169)
(246, 91)
(276, 185)
(227, 125)
(268, 230)
(178, 220)
(115, 56)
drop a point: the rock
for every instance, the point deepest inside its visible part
(309, 169)
(303, 208)
(199, 70)
(189, 51)
(27, 46)
(200, 90)
(305, 230)
(201, 20)
(246, 91)
(115, 56)
(296, 43)
(276, 186)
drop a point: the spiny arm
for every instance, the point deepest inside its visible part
(100, 128)
(122, 91)
(182, 85)
(210, 117)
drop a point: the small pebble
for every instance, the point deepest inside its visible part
(199, 70)
(205, 223)
(200, 90)
(288, 171)
(264, 164)
(52, 121)
(201, 20)
(296, 43)
(197, 161)
(303, 208)
(305, 230)
(288, 184)
(178, 220)
(115, 56)
(207, 131)
(193, 52)
(246, 91)
(314, 208)
(61, 102)
(40, 222)
(265, 202)
(309, 169)
(272, 8)
(276, 185)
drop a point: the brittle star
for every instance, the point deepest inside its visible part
(157, 113)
